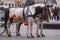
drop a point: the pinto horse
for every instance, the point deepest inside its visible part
(41, 14)
(20, 15)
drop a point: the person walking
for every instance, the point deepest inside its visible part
(56, 9)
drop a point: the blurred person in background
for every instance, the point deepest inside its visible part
(56, 9)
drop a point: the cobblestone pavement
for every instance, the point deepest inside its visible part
(50, 34)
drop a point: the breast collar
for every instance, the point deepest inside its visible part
(27, 11)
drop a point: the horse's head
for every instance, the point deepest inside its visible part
(38, 10)
(42, 12)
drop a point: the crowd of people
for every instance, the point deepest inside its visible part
(54, 15)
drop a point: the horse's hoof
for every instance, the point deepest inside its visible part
(43, 35)
(32, 36)
(28, 37)
(38, 35)
(9, 35)
(18, 35)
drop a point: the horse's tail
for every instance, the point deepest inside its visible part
(6, 16)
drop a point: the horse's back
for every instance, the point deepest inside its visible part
(16, 11)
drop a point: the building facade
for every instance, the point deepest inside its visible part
(13, 3)
(22, 3)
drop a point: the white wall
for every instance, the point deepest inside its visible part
(58, 2)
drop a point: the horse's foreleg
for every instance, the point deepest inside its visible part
(8, 29)
(37, 32)
(27, 31)
(31, 27)
(42, 29)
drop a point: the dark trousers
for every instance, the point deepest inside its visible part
(56, 17)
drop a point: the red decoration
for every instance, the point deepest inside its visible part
(14, 15)
(26, 23)
(19, 18)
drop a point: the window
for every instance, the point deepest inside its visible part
(5, 3)
(15, 5)
(12, 5)
(9, 5)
